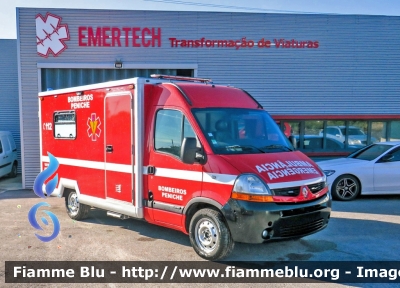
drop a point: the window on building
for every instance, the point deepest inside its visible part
(312, 138)
(395, 131)
(290, 128)
(342, 136)
(357, 133)
(334, 134)
(378, 132)
(171, 128)
(65, 125)
(313, 127)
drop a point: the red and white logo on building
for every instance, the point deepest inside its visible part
(50, 35)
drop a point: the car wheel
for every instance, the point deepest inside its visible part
(346, 188)
(13, 172)
(75, 210)
(209, 235)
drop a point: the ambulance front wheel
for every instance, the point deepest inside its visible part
(75, 210)
(209, 235)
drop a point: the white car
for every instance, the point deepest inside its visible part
(8, 155)
(374, 169)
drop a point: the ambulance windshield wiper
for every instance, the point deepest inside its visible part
(244, 147)
(285, 148)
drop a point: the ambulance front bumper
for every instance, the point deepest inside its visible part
(253, 222)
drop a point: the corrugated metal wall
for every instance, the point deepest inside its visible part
(9, 107)
(355, 70)
(53, 78)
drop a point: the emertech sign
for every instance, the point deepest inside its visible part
(107, 36)
(242, 43)
(51, 35)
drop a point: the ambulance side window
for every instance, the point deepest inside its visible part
(187, 129)
(171, 127)
(64, 125)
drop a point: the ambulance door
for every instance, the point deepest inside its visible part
(118, 146)
(171, 182)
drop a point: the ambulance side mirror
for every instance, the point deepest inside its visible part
(188, 150)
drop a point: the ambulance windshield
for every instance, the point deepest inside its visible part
(241, 131)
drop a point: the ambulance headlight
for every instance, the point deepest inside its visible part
(249, 187)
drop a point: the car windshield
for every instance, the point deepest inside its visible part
(241, 131)
(371, 152)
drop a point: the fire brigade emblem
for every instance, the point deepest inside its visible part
(305, 192)
(94, 130)
(50, 35)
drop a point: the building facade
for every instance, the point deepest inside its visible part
(312, 73)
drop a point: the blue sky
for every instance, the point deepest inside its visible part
(364, 7)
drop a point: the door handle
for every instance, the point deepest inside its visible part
(151, 170)
(109, 148)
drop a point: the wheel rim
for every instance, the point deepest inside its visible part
(347, 188)
(206, 235)
(14, 169)
(73, 204)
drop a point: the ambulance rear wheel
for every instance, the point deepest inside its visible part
(209, 235)
(75, 210)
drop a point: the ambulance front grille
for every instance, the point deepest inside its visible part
(295, 191)
(315, 188)
(290, 191)
(301, 229)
